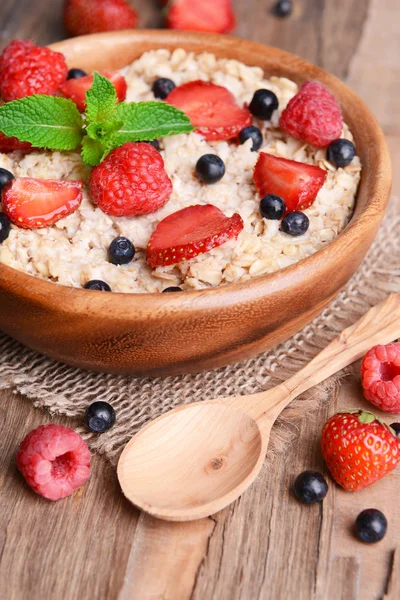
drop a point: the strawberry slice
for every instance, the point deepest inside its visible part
(215, 16)
(75, 89)
(297, 183)
(35, 203)
(189, 232)
(9, 144)
(211, 108)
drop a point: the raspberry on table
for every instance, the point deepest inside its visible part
(54, 460)
(380, 377)
(131, 181)
(26, 69)
(313, 115)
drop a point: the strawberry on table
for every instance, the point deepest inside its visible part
(35, 203)
(296, 183)
(26, 69)
(189, 232)
(75, 89)
(215, 16)
(380, 377)
(91, 16)
(358, 449)
(9, 144)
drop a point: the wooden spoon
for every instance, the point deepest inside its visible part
(198, 458)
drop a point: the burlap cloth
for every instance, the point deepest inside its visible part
(66, 390)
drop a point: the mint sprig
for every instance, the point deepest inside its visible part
(56, 124)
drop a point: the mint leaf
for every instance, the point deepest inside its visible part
(101, 100)
(44, 121)
(101, 131)
(92, 151)
(148, 121)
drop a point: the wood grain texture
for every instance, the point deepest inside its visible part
(266, 546)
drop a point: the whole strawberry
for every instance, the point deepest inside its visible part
(380, 377)
(358, 449)
(215, 16)
(26, 69)
(313, 115)
(91, 16)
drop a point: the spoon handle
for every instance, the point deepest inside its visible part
(380, 325)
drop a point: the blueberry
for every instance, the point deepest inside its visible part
(96, 284)
(76, 74)
(5, 225)
(283, 8)
(295, 223)
(210, 168)
(162, 87)
(173, 288)
(371, 526)
(100, 416)
(341, 152)
(310, 487)
(254, 134)
(396, 429)
(263, 104)
(272, 207)
(121, 251)
(5, 177)
(154, 143)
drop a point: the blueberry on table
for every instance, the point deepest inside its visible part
(263, 104)
(98, 285)
(341, 152)
(272, 207)
(100, 416)
(295, 223)
(162, 87)
(371, 526)
(5, 225)
(310, 487)
(5, 177)
(283, 8)
(396, 429)
(210, 168)
(121, 251)
(76, 74)
(253, 133)
(172, 288)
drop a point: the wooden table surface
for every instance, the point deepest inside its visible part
(267, 545)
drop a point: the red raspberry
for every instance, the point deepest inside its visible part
(313, 115)
(26, 69)
(9, 144)
(380, 373)
(54, 460)
(131, 181)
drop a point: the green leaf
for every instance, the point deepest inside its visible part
(101, 131)
(101, 100)
(148, 121)
(44, 121)
(92, 151)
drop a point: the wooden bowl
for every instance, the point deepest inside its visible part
(166, 334)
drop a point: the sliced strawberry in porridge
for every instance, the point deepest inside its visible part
(75, 89)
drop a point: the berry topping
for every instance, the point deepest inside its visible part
(371, 526)
(162, 87)
(5, 178)
(310, 487)
(173, 288)
(189, 232)
(341, 152)
(380, 377)
(210, 168)
(121, 251)
(396, 429)
(97, 285)
(297, 183)
(54, 460)
(283, 8)
(295, 223)
(154, 143)
(215, 16)
(313, 115)
(358, 449)
(251, 133)
(211, 108)
(131, 181)
(35, 203)
(10, 144)
(26, 69)
(5, 225)
(75, 89)
(90, 16)
(76, 74)
(100, 416)
(263, 104)
(272, 207)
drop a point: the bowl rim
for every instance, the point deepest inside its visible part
(54, 295)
